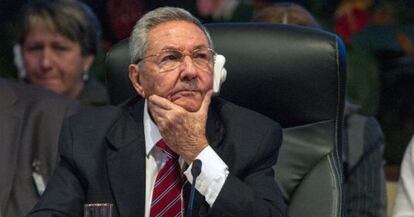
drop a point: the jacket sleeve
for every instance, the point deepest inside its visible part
(64, 195)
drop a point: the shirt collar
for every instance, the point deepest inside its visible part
(151, 132)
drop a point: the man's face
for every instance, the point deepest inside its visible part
(185, 85)
(53, 61)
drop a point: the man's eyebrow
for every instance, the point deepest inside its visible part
(176, 48)
(170, 48)
(201, 46)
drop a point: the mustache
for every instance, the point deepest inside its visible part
(188, 86)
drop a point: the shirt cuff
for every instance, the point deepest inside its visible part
(213, 174)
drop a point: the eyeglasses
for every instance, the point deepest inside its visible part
(170, 59)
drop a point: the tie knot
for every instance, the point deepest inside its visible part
(164, 147)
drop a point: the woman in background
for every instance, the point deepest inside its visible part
(58, 42)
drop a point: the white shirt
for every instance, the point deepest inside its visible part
(213, 174)
(404, 200)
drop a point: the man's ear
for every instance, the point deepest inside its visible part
(134, 76)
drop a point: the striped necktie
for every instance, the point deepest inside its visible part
(166, 197)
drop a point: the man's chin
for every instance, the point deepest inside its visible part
(189, 100)
(190, 105)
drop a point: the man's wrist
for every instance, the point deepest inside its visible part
(192, 155)
(214, 172)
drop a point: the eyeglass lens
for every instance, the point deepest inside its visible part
(170, 59)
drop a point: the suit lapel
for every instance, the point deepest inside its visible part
(214, 127)
(126, 163)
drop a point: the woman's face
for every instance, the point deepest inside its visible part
(55, 62)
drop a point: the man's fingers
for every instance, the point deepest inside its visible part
(206, 102)
(160, 102)
(157, 108)
(162, 109)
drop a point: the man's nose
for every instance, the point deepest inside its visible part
(189, 70)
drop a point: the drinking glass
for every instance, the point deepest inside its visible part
(98, 210)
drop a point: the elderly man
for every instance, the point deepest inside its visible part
(139, 156)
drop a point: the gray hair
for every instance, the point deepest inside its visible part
(71, 18)
(138, 42)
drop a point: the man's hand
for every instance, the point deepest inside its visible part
(183, 131)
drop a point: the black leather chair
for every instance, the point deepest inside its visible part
(294, 75)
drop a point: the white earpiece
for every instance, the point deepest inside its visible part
(18, 61)
(220, 72)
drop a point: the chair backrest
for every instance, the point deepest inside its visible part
(294, 75)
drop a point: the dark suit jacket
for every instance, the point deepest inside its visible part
(93, 93)
(30, 122)
(103, 160)
(365, 183)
